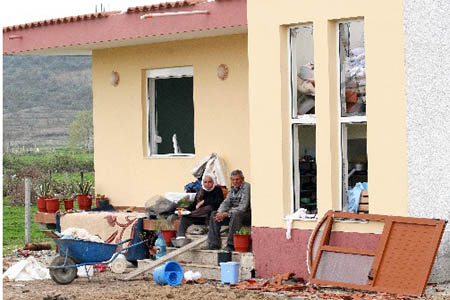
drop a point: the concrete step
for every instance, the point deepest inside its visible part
(211, 272)
(194, 237)
(209, 257)
(205, 262)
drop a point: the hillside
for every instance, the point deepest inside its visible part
(41, 97)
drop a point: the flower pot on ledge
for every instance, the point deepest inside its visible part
(52, 205)
(84, 202)
(68, 204)
(41, 204)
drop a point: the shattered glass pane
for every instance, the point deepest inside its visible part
(352, 68)
(302, 65)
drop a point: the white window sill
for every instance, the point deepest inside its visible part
(171, 156)
(303, 219)
(350, 221)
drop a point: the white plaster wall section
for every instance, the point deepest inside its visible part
(427, 59)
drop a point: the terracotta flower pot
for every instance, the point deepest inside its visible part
(41, 205)
(84, 202)
(241, 242)
(52, 205)
(167, 235)
(68, 204)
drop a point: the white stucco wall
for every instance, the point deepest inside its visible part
(427, 59)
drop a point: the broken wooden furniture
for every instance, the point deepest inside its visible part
(401, 263)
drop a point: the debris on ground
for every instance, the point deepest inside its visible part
(27, 269)
(288, 285)
(37, 246)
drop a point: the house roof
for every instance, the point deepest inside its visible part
(79, 35)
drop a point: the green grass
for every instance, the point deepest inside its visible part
(14, 227)
(58, 160)
(74, 177)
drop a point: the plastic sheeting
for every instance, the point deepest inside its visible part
(211, 164)
(27, 269)
(354, 195)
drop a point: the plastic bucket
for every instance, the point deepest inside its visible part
(229, 272)
(171, 273)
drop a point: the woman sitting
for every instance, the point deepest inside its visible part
(207, 199)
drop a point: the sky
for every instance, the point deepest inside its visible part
(14, 12)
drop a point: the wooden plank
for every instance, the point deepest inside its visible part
(149, 224)
(381, 247)
(313, 238)
(438, 233)
(349, 250)
(168, 257)
(46, 218)
(130, 208)
(324, 241)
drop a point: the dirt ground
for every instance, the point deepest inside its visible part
(107, 285)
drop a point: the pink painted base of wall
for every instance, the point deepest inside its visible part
(275, 254)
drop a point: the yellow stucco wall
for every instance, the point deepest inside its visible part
(269, 118)
(123, 172)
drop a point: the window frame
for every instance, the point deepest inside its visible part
(150, 76)
(344, 119)
(295, 119)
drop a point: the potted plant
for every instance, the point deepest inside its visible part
(166, 229)
(242, 239)
(43, 192)
(52, 205)
(101, 200)
(68, 194)
(84, 201)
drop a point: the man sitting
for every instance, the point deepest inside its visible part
(234, 212)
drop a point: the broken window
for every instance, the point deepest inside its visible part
(305, 171)
(352, 68)
(302, 70)
(170, 111)
(353, 121)
(303, 120)
(354, 164)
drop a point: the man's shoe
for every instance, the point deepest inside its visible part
(228, 248)
(209, 247)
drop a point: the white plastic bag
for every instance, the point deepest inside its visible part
(27, 269)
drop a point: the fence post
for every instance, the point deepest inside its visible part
(27, 210)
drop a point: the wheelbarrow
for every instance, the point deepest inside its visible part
(75, 253)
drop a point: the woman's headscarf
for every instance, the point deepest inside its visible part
(213, 178)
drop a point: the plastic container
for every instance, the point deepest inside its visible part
(160, 246)
(171, 273)
(229, 272)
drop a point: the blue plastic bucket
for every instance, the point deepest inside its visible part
(229, 272)
(171, 273)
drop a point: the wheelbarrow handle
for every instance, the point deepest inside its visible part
(123, 242)
(124, 249)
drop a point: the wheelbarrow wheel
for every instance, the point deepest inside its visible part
(63, 275)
